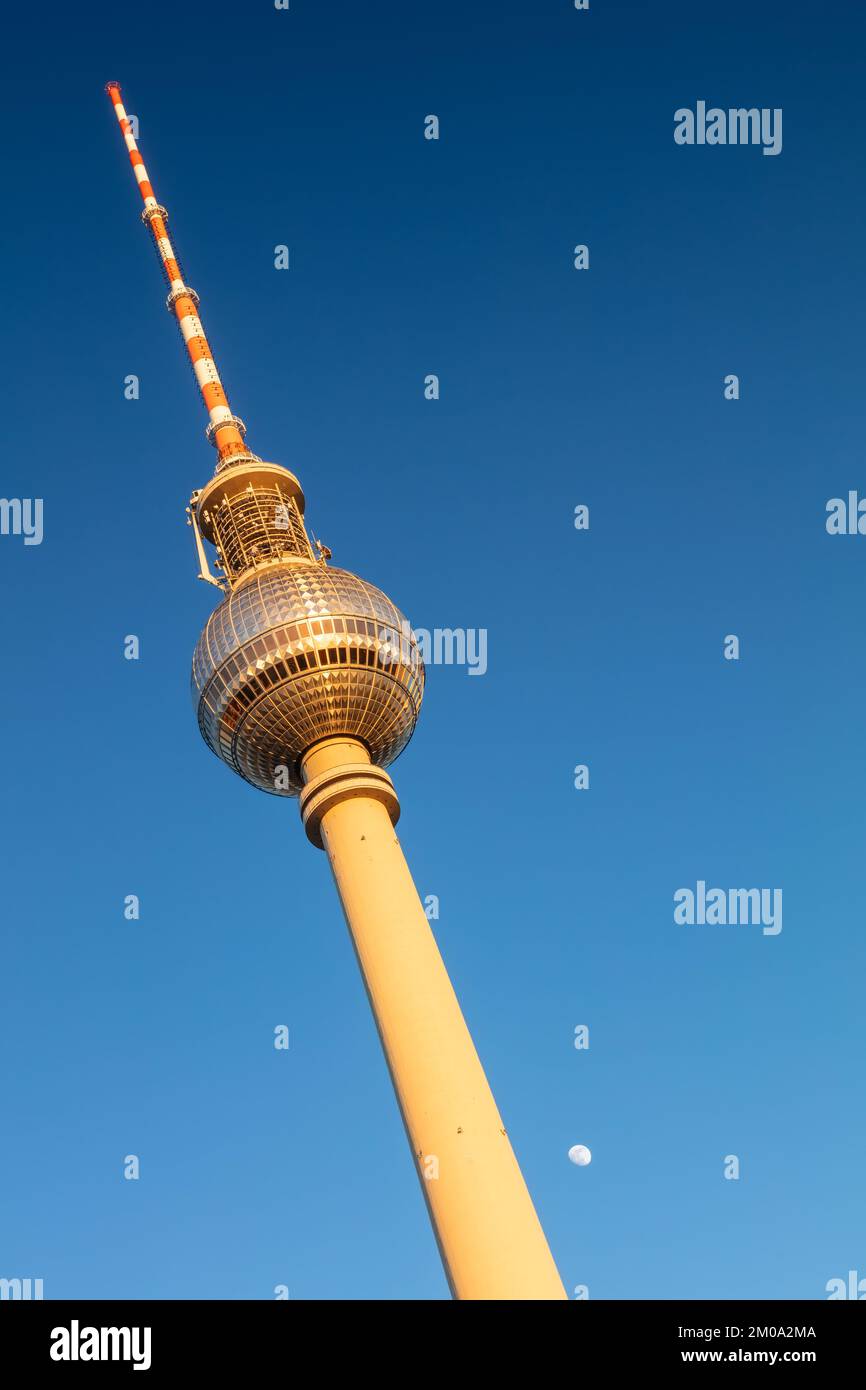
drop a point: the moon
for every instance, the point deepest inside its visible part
(580, 1154)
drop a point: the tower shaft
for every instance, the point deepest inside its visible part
(489, 1236)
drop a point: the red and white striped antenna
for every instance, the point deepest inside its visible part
(225, 430)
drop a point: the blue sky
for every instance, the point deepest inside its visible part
(558, 387)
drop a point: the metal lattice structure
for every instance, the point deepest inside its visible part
(253, 512)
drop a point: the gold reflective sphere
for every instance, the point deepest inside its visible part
(300, 652)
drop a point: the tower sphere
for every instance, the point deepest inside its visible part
(298, 652)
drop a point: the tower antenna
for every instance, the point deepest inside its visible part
(225, 430)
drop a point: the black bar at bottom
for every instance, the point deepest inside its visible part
(155, 1339)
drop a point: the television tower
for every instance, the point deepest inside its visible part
(308, 683)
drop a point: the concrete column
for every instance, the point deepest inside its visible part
(489, 1236)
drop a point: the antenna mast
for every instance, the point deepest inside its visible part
(225, 431)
